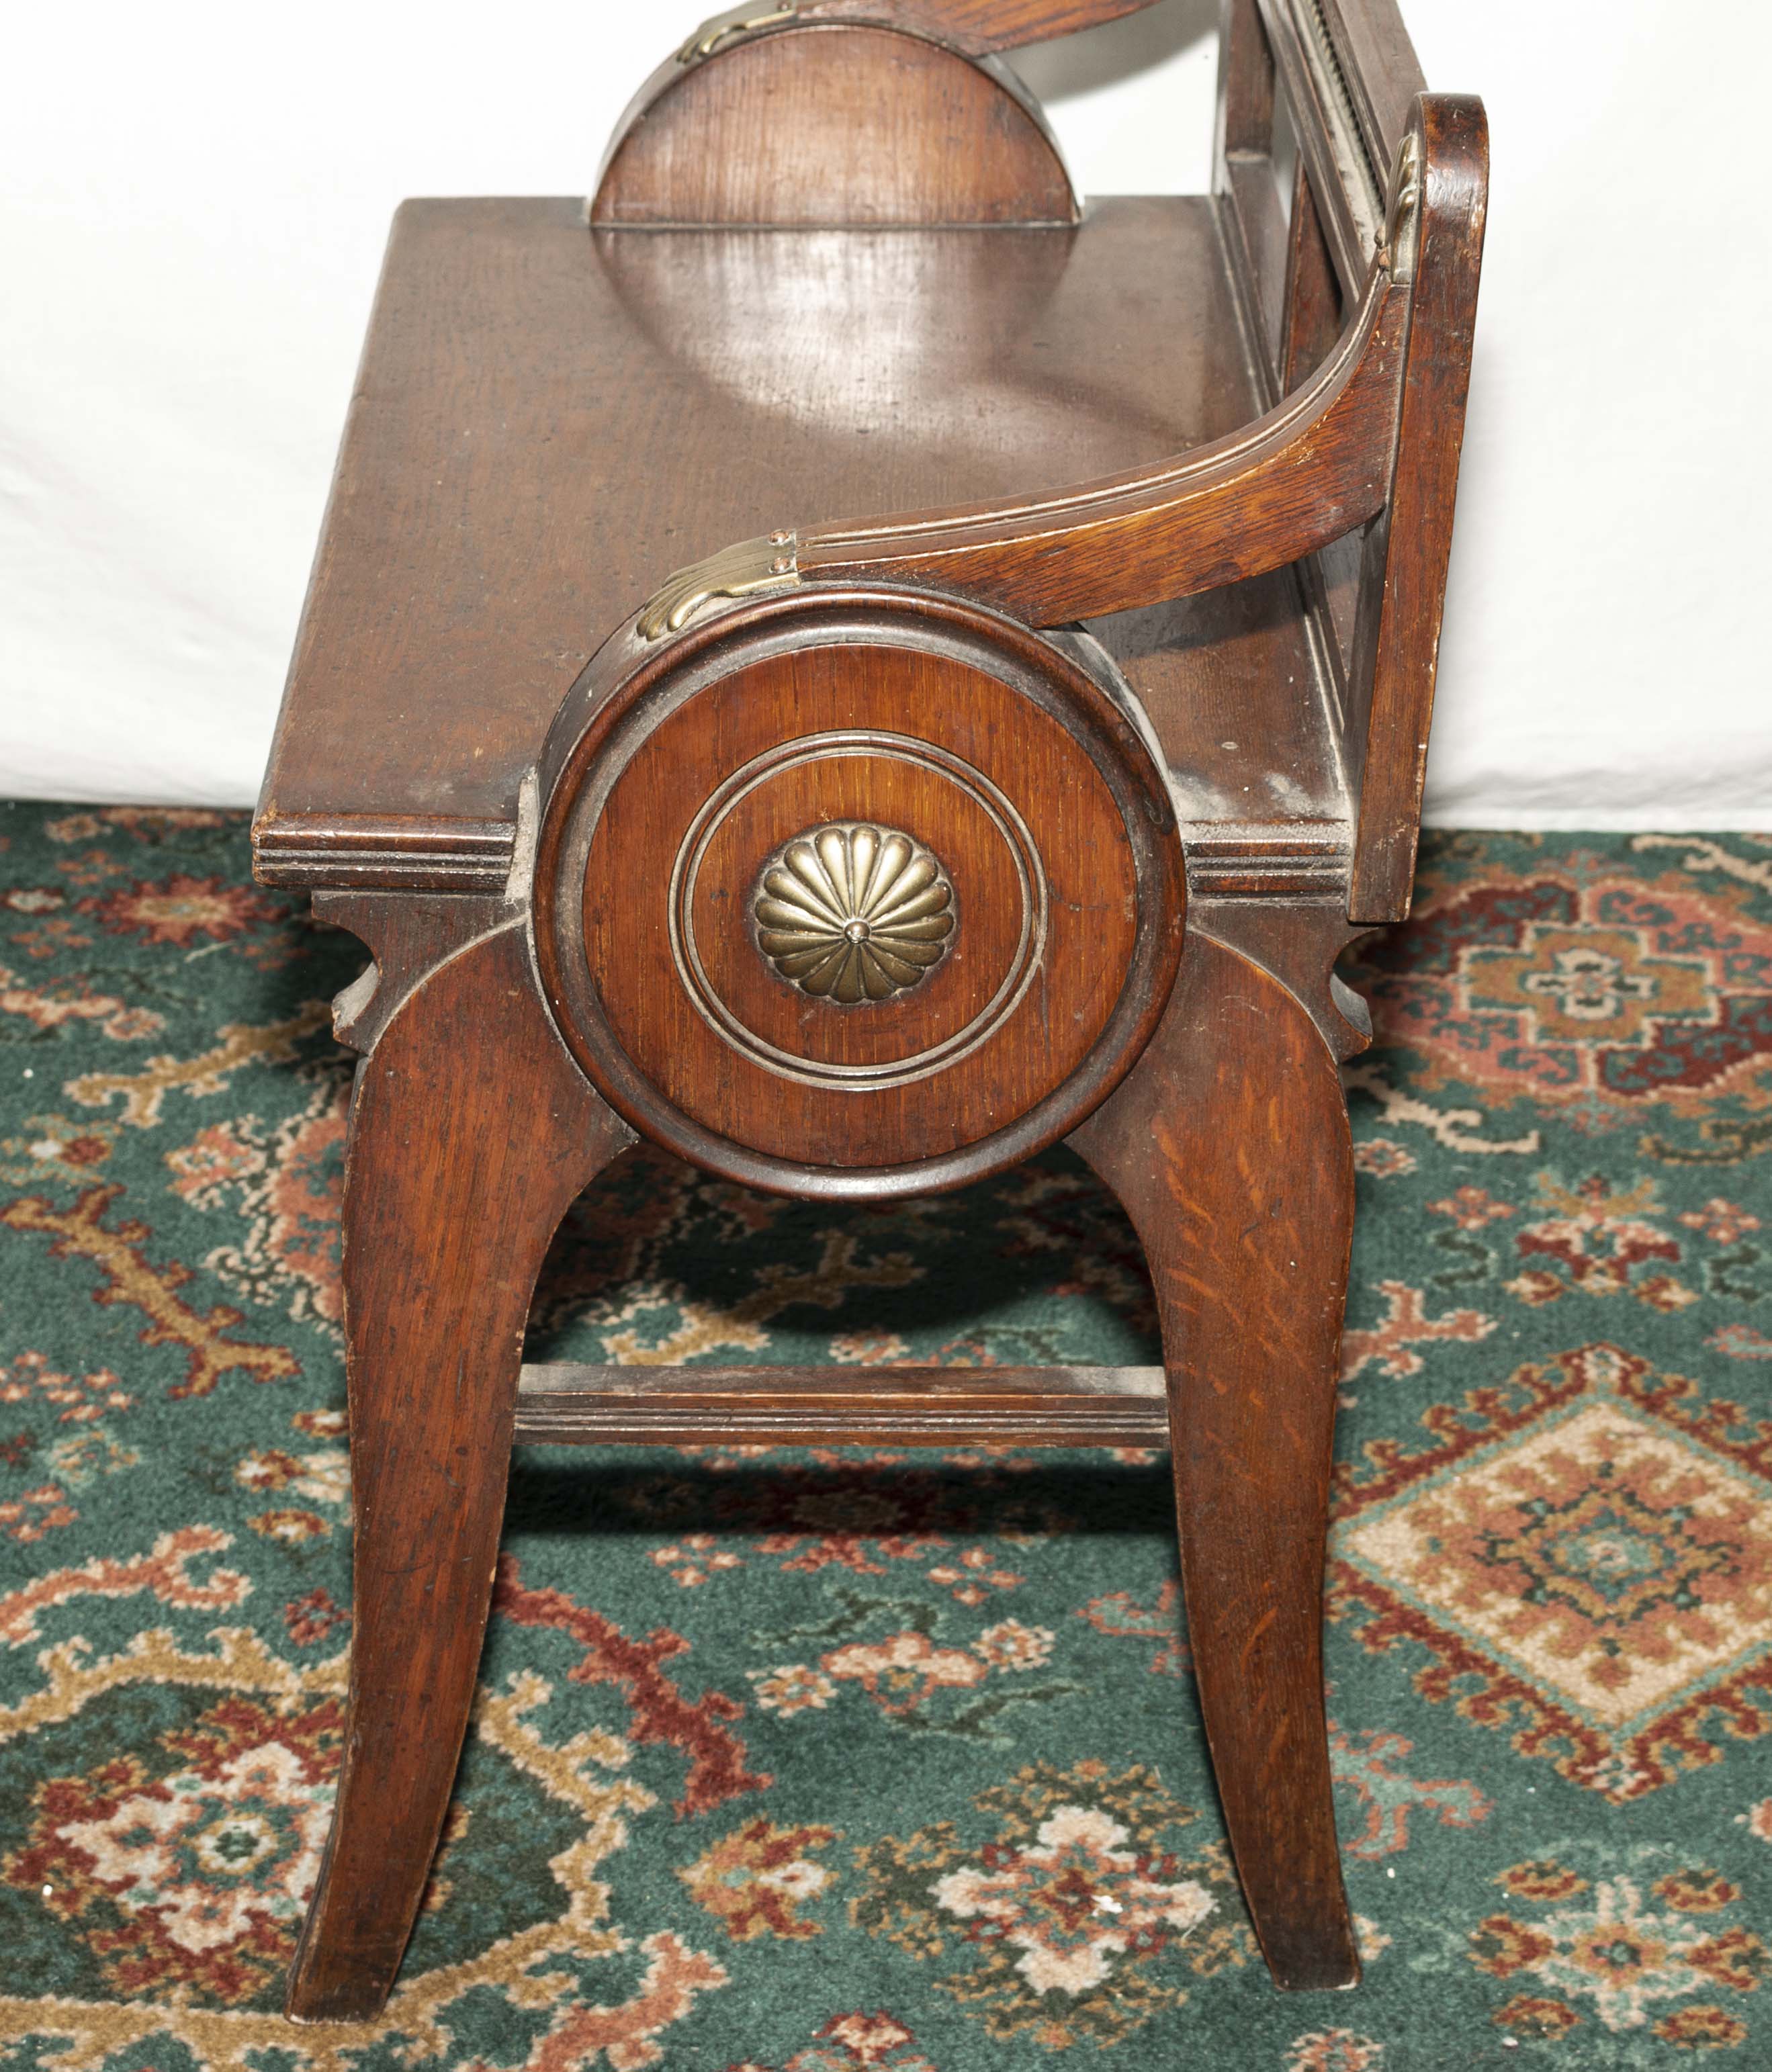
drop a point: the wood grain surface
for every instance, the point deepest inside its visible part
(407, 938)
(1312, 307)
(1310, 469)
(876, 1406)
(1037, 794)
(983, 25)
(1397, 643)
(525, 457)
(1023, 1048)
(471, 1132)
(866, 125)
(1242, 395)
(1230, 1149)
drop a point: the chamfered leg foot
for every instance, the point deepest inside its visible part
(471, 1133)
(1229, 1146)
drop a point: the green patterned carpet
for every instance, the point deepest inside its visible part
(798, 1762)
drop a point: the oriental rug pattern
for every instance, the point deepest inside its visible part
(813, 1762)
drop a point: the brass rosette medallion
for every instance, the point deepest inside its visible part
(852, 913)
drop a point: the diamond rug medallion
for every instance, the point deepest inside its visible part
(819, 1761)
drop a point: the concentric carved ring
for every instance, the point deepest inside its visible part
(926, 1045)
(853, 891)
(854, 913)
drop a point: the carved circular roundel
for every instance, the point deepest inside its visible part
(854, 892)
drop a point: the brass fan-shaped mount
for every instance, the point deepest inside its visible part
(853, 912)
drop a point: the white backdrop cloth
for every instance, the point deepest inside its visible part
(195, 198)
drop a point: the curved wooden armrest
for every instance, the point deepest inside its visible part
(1311, 469)
(1316, 466)
(978, 25)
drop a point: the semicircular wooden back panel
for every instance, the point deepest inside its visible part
(804, 121)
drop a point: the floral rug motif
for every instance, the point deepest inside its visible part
(852, 1761)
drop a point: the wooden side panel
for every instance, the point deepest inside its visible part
(1257, 219)
(1245, 116)
(1397, 645)
(1228, 680)
(1250, 214)
(1313, 304)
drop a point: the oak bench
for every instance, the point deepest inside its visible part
(1057, 719)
